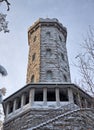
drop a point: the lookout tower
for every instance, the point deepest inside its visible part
(49, 101)
(48, 60)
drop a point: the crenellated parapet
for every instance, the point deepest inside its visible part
(47, 22)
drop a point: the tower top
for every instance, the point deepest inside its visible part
(47, 61)
(48, 22)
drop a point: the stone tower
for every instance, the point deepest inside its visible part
(47, 61)
(49, 101)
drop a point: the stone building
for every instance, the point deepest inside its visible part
(47, 61)
(49, 101)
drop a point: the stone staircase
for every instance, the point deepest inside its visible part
(61, 118)
(77, 119)
(34, 117)
(52, 114)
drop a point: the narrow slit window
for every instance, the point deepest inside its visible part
(65, 78)
(48, 33)
(32, 79)
(35, 37)
(49, 75)
(60, 38)
(33, 56)
(62, 56)
(48, 52)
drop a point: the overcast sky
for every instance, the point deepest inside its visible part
(76, 15)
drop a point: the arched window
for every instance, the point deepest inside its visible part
(33, 56)
(48, 52)
(65, 78)
(62, 56)
(49, 75)
(32, 79)
(48, 33)
(34, 39)
(60, 38)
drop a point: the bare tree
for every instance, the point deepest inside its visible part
(86, 62)
(6, 3)
(3, 22)
(3, 72)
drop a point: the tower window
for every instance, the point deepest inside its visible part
(60, 38)
(63, 95)
(51, 95)
(75, 98)
(38, 95)
(48, 52)
(10, 107)
(49, 75)
(65, 78)
(48, 33)
(33, 56)
(32, 79)
(26, 100)
(18, 103)
(35, 37)
(62, 56)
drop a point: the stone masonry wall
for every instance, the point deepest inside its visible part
(29, 119)
(76, 120)
(34, 61)
(47, 52)
(53, 39)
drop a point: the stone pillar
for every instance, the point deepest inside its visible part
(45, 96)
(7, 109)
(22, 100)
(31, 96)
(14, 105)
(70, 95)
(57, 96)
